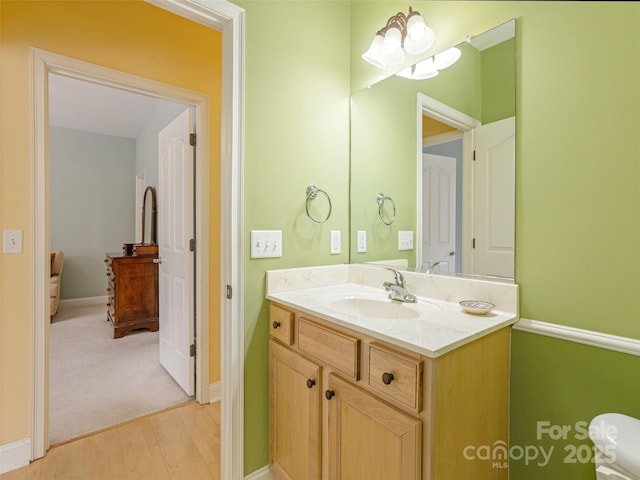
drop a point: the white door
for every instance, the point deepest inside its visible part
(175, 230)
(438, 212)
(494, 198)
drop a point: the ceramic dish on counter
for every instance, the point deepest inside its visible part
(476, 307)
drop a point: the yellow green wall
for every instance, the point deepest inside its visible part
(132, 37)
(577, 221)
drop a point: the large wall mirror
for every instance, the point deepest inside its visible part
(415, 142)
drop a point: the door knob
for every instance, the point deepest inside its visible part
(329, 394)
(452, 253)
(310, 382)
(157, 260)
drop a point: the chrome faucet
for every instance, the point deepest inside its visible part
(397, 290)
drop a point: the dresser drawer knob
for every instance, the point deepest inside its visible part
(310, 382)
(329, 394)
(387, 378)
(275, 324)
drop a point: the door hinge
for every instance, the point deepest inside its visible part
(474, 155)
(473, 243)
(192, 245)
(192, 139)
(229, 292)
(192, 350)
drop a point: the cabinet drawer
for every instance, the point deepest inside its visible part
(281, 324)
(335, 349)
(396, 376)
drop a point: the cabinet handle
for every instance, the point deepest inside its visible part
(387, 378)
(329, 394)
(310, 382)
(276, 324)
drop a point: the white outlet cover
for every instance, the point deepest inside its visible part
(362, 241)
(335, 242)
(405, 240)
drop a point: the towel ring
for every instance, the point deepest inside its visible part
(381, 197)
(312, 193)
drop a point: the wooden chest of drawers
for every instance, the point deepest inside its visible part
(132, 292)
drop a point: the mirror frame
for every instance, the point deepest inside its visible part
(153, 229)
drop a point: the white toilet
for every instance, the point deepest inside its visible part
(617, 441)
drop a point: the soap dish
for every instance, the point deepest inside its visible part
(476, 307)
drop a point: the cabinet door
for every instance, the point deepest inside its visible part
(369, 438)
(294, 415)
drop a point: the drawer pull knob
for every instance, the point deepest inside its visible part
(387, 378)
(329, 394)
(276, 324)
(310, 382)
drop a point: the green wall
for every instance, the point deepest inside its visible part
(296, 133)
(577, 223)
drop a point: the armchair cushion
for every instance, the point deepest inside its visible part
(57, 261)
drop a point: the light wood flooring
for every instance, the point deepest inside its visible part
(179, 443)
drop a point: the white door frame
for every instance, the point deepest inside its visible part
(465, 124)
(229, 19)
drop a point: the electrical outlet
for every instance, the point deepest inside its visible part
(266, 243)
(12, 241)
(335, 242)
(405, 240)
(362, 241)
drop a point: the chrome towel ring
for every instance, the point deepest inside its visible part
(381, 197)
(312, 193)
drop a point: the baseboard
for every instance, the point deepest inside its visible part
(579, 335)
(263, 474)
(15, 455)
(215, 392)
(84, 302)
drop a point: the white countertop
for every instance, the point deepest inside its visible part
(438, 326)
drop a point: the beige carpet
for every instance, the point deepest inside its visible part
(96, 381)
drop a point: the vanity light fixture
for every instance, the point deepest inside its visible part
(430, 67)
(402, 34)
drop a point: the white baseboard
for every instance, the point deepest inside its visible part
(263, 474)
(579, 335)
(215, 392)
(15, 455)
(84, 302)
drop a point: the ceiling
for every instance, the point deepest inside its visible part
(95, 108)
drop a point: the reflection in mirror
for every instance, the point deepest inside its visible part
(149, 217)
(414, 140)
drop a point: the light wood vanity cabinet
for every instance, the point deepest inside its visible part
(347, 406)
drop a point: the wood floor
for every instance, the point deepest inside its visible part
(180, 443)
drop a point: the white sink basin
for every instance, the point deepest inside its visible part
(382, 308)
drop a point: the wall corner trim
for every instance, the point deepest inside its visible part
(262, 474)
(579, 335)
(15, 455)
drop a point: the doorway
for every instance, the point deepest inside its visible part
(99, 136)
(229, 20)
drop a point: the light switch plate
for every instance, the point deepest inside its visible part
(362, 241)
(335, 242)
(405, 240)
(266, 243)
(12, 241)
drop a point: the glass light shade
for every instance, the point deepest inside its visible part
(419, 36)
(374, 54)
(425, 69)
(406, 73)
(392, 53)
(447, 58)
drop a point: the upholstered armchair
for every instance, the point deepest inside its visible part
(57, 259)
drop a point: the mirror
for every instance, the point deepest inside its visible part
(149, 217)
(414, 140)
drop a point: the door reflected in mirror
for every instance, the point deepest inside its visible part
(415, 140)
